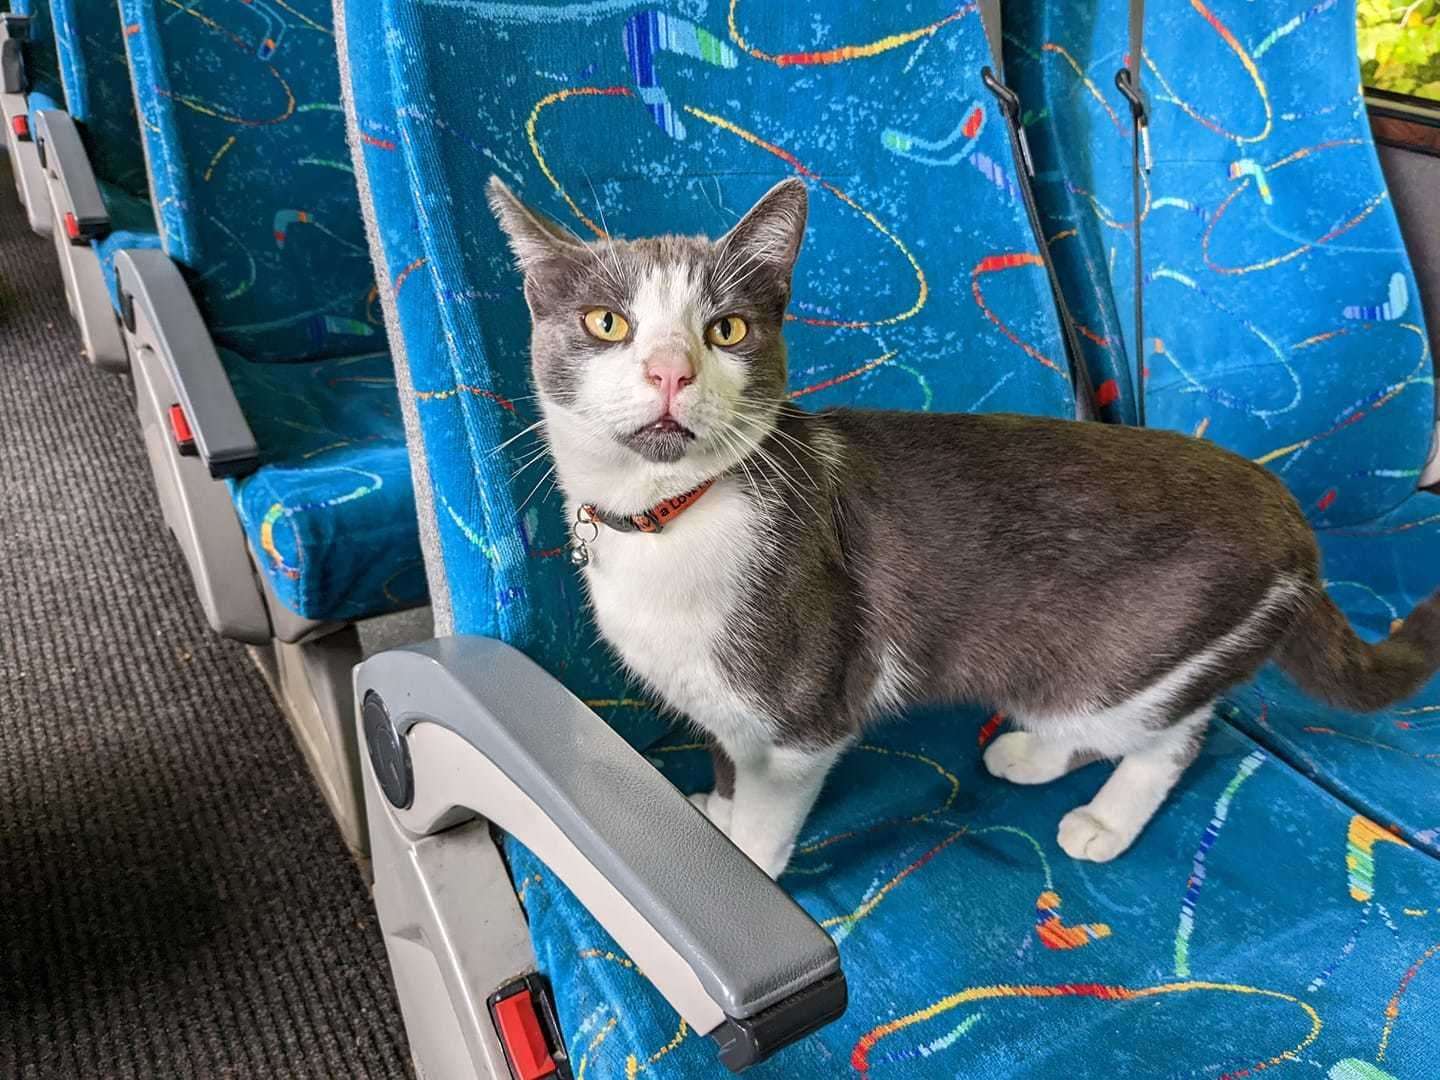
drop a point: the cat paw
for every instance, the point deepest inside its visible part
(715, 807)
(1085, 836)
(1021, 758)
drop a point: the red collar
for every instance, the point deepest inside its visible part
(653, 520)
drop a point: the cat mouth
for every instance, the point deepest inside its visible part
(664, 440)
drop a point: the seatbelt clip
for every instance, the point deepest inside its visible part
(1009, 103)
(1139, 110)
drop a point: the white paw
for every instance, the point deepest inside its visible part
(1021, 758)
(715, 807)
(764, 850)
(1085, 836)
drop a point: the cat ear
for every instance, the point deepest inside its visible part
(770, 234)
(534, 238)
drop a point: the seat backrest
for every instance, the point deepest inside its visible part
(97, 89)
(252, 186)
(1281, 316)
(918, 287)
(42, 65)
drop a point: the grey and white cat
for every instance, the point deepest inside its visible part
(1100, 584)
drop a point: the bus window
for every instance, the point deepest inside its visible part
(1400, 46)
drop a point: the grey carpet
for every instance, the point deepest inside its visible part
(174, 900)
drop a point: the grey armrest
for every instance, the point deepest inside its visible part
(64, 156)
(735, 956)
(151, 284)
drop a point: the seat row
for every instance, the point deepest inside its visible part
(289, 248)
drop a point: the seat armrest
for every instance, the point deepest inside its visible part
(156, 305)
(728, 949)
(83, 213)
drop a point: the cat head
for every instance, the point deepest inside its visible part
(663, 356)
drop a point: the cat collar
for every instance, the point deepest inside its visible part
(589, 518)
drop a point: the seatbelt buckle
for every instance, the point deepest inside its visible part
(529, 1031)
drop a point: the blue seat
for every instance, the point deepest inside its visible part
(91, 54)
(699, 144)
(254, 198)
(1259, 922)
(42, 64)
(1281, 314)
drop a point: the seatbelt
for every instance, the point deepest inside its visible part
(1009, 102)
(1127, 79)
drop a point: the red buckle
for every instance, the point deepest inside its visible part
(522, 1037)
(72, 227)
(21, 126)
(180, 429)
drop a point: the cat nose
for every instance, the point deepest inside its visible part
(670, 372)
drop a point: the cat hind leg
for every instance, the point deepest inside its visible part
(1110, 822)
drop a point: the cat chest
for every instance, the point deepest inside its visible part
(665, 604)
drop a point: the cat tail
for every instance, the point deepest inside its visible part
(1323, 654)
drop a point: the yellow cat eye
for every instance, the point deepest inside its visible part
(726, 331)
(606, 325)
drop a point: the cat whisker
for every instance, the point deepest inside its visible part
(495, 450)
(521, 508)
(769, 459)
(539, 455)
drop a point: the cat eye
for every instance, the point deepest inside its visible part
(606, 325)
(726, 331)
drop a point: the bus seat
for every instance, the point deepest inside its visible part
(266, 395)
(31, 82)
(95, 171)
(956, 920)
(1282, 316)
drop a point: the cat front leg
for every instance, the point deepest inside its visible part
(1109, 823)
(1025, 757)
(718, 804)
(775, 788)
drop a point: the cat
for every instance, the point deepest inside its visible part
(782, 578)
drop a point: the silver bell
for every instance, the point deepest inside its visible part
(579, 556)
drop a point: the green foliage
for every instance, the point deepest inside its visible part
(1400, 45)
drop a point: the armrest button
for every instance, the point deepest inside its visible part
(389, 753)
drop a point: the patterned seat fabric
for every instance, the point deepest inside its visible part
(1281, 314)
(1258, 923)
(918, 285)
(331, 512)
(246, 144)
(972, 946)
(255, 198)
(91, 53)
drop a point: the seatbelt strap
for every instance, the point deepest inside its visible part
(1127, 79)
(1009, 102)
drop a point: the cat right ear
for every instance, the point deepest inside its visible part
(769, 235)
(534, 238)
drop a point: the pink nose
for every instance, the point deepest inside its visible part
(670, 373)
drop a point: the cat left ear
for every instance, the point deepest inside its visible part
(770, 234)
(534, 238)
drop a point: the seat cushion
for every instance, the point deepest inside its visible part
(132, 225)
(1385, 764)
(97, 89)
(918, 285)
(1257, 923)
(330, 513)
(1281, 312)
(251, 176)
